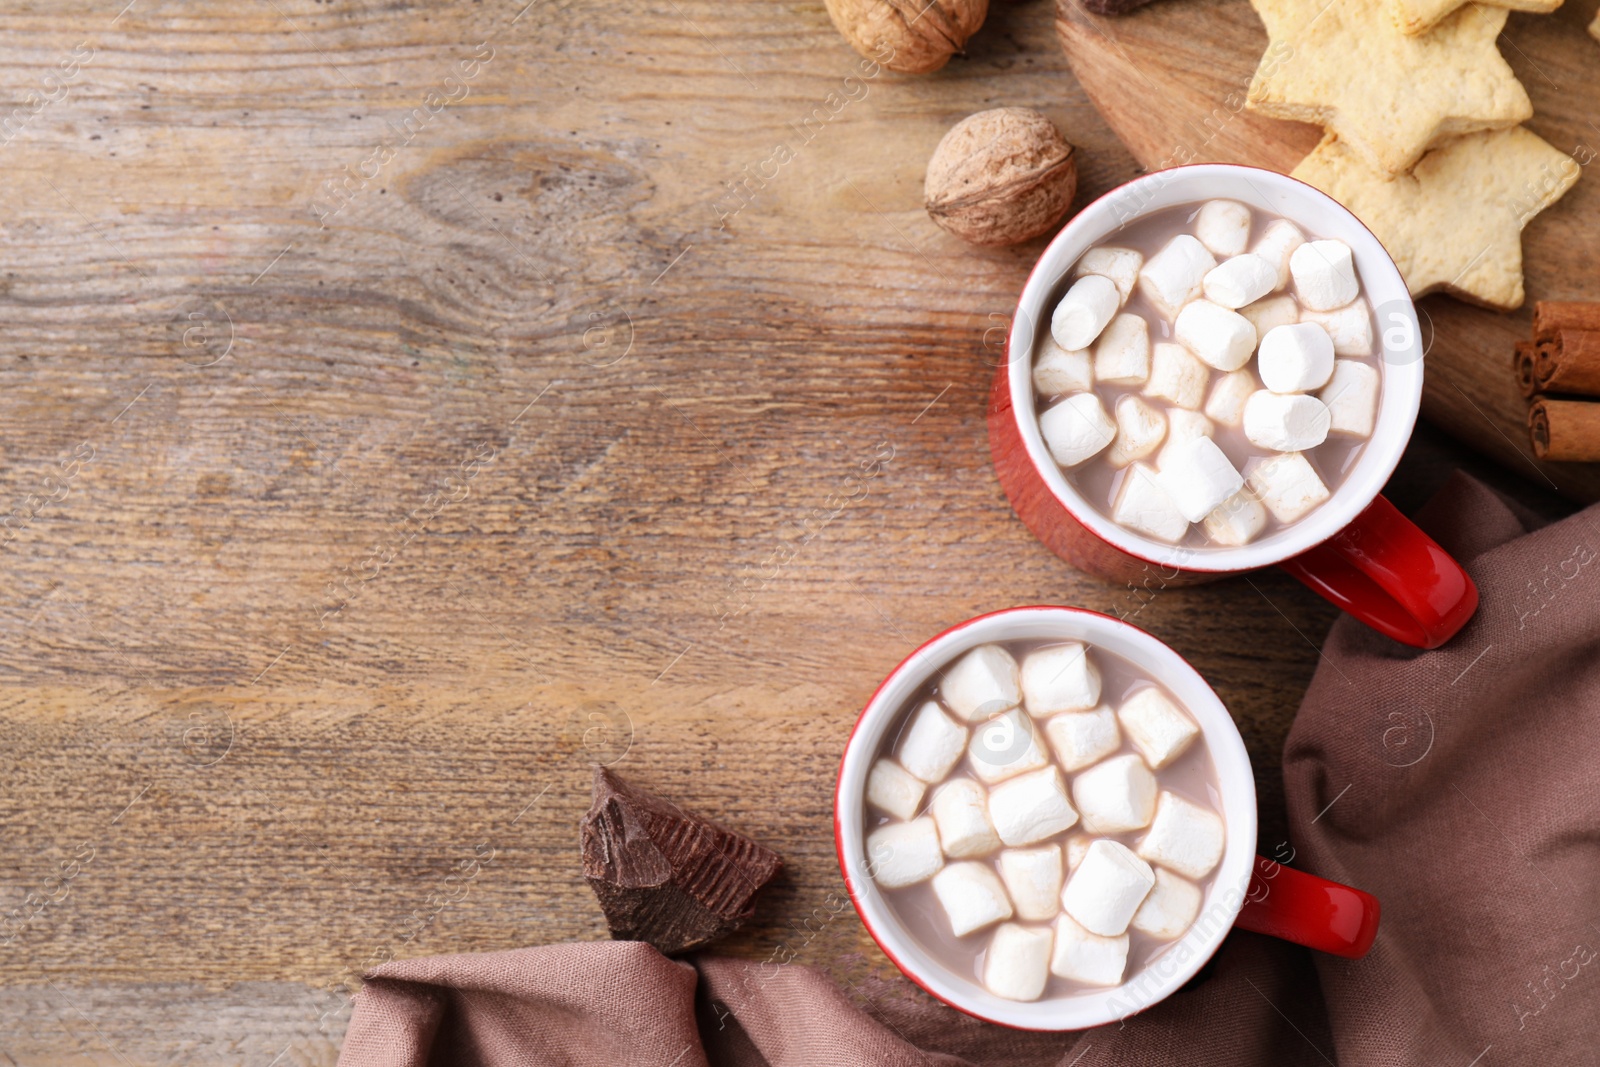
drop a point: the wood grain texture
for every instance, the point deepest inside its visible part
(335, 553)
(1197, 57)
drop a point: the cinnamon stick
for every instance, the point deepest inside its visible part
(1522, 365)
(1567, 361)
(1549, 316)
(1565, 430)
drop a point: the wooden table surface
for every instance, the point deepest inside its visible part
(400, 410)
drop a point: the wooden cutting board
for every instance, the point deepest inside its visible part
(1171, 79)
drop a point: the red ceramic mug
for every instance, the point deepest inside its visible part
(1246, 890)
(1356, 550)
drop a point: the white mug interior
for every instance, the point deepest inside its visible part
(1222, 901)
(1398, 335)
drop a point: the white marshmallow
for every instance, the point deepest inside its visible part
(1158, 728)
(1107, 888)
(1005, 746)
(1184, 837)
(932, 744)
(1349, 328)
(1076, 428)
(961, 810)
(1173, 276)
(1324, 275)
(1059, 678)
(1276, 244)
(1295, 359)
(1033, 878)
(892, 788)
(1143, 506)
(1084, 311)
(1079, 738)
(1140, 429)
(1122, 355)
(1221, 338)
(1115, 796)
(1176, 375)
(1274, 311)
(1057, 372)
(972, 896)
(1286, 484)
(904, 853)
(981, 683)
(1017, 965)
(1183, 427)
(1223, 226)
(1281, 422)
(1088, 958)
(1170, 909)
(1198, 477)
(1239, 281)
(1236, 521)
(1031, 807)
(1077, 848)
(1352, 398)
(1121, 265)
(1228, 396)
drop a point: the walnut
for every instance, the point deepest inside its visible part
(910, 36)
(1000, 177)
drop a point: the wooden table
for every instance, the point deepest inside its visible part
(395, 423)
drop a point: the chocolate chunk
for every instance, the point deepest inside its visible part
(665, 875)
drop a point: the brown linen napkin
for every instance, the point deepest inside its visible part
(1459, 786)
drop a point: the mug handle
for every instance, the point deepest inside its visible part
(1389, 574)
(1306, 910)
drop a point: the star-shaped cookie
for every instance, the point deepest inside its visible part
(1419, 16)
(1343, 65)
(1455, 222)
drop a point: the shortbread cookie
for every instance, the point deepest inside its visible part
(1419, 16)
(1455, 222)
(1386, 95)
(1594, 27)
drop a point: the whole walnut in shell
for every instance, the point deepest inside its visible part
(910, 36)
(1000, 177)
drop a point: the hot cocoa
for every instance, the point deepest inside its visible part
(1209, 374)
(1043, 817)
